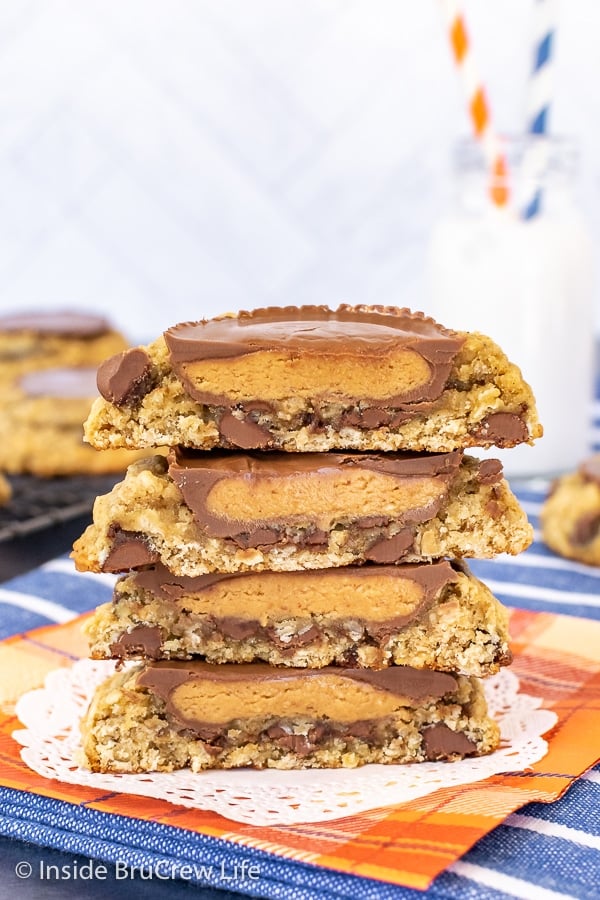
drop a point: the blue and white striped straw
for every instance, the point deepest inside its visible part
(539, 98)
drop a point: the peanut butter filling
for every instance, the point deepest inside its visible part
(198, 692)
(323, 495)
(266, 597)
(336, 698)
(268, 375)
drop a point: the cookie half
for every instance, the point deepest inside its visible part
(172, 715)
(216, 512)
(433, 616)
(311, 379)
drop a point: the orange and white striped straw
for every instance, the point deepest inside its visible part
(478, 107)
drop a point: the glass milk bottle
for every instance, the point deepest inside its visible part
(527, 283)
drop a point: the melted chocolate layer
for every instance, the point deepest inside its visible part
(418, 685)
(158, 580)
(313, 329)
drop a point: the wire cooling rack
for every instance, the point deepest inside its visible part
(38, 503)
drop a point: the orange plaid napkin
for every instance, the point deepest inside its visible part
(557, 658)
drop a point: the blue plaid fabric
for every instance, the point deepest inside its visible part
(543, 851)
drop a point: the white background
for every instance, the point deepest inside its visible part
(164, 161)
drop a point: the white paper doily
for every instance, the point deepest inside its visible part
(271, 797)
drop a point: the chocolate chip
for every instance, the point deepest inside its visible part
(258, 537)
(129, 550)
(586, 528)
(244, 433)
(238, 629)
(493, 509)
(391, 549)
(490, 471)
(440, 742)
(502, 429)
(126, 377)
(142, 641)
(297, 743)
(590, 468)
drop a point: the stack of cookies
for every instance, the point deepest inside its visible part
(292, 582)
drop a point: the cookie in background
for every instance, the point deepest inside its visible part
(48, 364)
(5, 491)
(570, 516)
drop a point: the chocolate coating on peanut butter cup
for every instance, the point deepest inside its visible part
(158, 580)
(348, 331)
(164, 676)
(197, 473)
(63, 324)
(314, 329)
